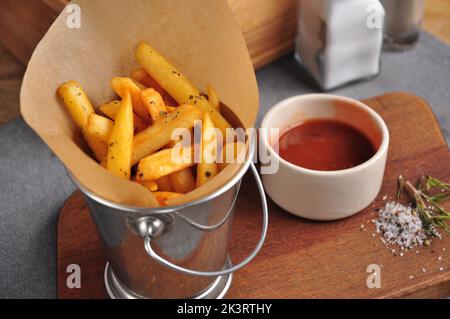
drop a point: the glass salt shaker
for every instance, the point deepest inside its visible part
(340, 41)
(402, 23)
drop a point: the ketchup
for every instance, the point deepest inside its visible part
(325, 145)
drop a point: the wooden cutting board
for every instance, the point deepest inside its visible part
(301, 258)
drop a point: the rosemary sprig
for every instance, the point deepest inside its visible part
(433, 182)
(401, 183)
(427, 197)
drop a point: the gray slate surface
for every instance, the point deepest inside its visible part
(34, 185)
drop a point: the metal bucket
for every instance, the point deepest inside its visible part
(172, 252)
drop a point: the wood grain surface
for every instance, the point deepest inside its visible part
(301, 258)
(11, 73)
(437, 19)
(268, 26)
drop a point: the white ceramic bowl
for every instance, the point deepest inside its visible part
(325, 195)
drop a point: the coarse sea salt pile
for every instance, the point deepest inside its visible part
(400, 225)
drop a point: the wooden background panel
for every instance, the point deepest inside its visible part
(437, 19)
(268, 26)
(23, 23)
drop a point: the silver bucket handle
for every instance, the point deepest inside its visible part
(159, 259)
(211, 227)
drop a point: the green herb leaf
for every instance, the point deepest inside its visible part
(439, 197)
(427, 205)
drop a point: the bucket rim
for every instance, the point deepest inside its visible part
(171, 209)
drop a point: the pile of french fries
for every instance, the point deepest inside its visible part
(131, 136)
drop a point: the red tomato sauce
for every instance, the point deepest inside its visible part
(325, 145)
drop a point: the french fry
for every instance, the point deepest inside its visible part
(207, 168)
(121, 140)
(163, 197)
(159, 133)
(164, 184)
(163, 163)
(230, 152)
(153, 103)
(100, 126)
(103, 161)
(110, 110)
(77, 102)
(138, 123)
(98, 148)
(176, 84)
(152, 186)
(141, 76)
(155, 106)
(213, 98)
(123, 85)
(139, 85)
(80, 108)
(137, 129)
(182, 181)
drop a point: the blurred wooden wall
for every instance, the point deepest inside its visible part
(268, 25)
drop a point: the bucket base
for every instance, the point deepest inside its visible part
(217, 290)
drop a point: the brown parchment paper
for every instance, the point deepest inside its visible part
(200, 37)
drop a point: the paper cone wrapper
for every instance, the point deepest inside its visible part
(200, 37)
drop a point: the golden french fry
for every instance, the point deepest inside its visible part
(100, 126)
(98, 148)
(176, 84)
(103, 161)
(140, 86)
(110, 110)
(164, 184)
(155, 106)
(141, 76)
(153, 103)
(182, 181)
(213, 98)
(80, 108)
(162, 197)
(152, 186)
(163, 163)
(207, 168)
(230, 152)
(121, 140)
(77, 102)
(159, 134)
(123, 85)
